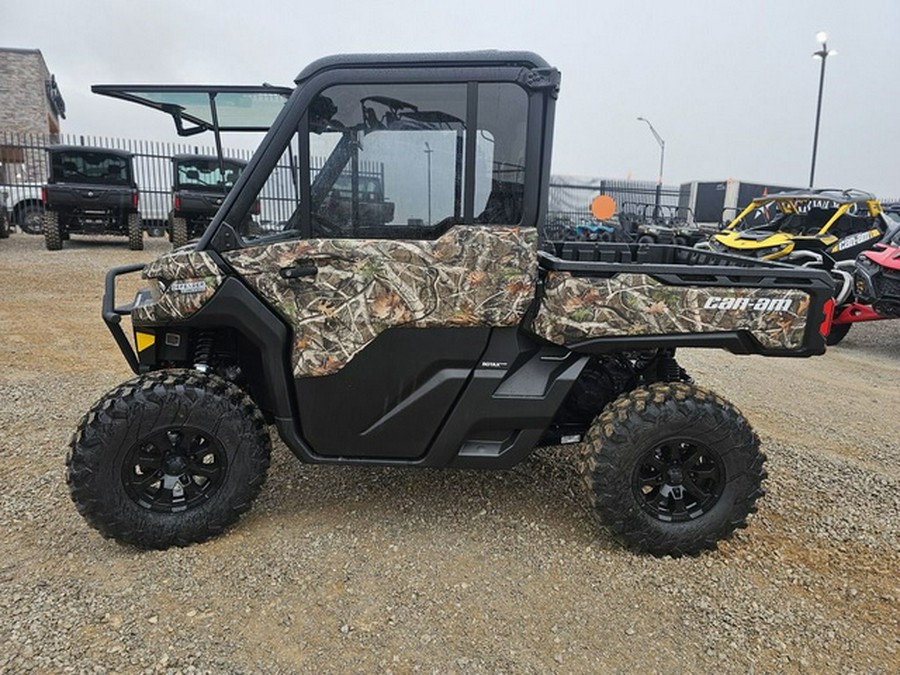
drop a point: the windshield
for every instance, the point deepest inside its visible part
(234, 108)
(90, 167)
(204, 173)
(797, 217)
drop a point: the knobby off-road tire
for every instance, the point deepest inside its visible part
(31, 219)
(838, 332)
(4, 226)
(672, 469)
(52, 231)
(135, 232)
(169, 458)
(179, 232)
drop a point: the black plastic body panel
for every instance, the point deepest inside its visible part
(498, 413)
(235, 306)
(390, 399)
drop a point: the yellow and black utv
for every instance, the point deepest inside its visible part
(822, 227)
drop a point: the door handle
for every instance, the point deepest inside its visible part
(297, 271)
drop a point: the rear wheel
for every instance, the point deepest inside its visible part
(4, 225)
(135, 232)
(168, 459)
(52, 231)
(672, 469)
(838, 332)
(179, 233)
(31, 219)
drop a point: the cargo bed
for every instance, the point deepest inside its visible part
(604, 297)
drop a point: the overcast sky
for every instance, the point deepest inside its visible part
(730, 85)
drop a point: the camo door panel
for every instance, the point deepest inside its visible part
(574, 308)
(470, 276)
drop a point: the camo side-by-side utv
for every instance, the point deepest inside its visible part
(446, 333)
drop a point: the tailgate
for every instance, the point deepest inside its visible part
(191, 201)
(610, 297)
(89, 197)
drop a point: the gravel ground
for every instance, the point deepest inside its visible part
(340, 569)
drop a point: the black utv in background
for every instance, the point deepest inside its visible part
(90, 191)
(199, 186)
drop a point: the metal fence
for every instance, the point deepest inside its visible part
(570, 197)
(23, 167)
(23, 170)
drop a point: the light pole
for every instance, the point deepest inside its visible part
(823, 54)
(662, 159)
(428, 152)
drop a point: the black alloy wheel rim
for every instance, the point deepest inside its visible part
(678, 480)
(174, 469)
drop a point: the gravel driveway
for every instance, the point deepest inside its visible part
(340, 569)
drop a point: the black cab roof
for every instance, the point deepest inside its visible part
(56, 149)
(486, 57)
(185, 156)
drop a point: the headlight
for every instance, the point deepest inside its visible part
(156, 288)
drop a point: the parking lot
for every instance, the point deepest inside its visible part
(340, 569)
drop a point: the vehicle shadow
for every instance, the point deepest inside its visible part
(873, 337)
(543, 491)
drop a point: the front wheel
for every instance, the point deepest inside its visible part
(672, 469)
(168, 458)
(4, 226)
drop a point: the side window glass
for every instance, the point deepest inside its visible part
(389, 161)
(500, 153)
(386, 161)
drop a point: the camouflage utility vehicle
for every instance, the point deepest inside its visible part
(199, 186)
(90, 191)
(449, 335)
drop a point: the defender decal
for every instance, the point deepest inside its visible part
(189, 286)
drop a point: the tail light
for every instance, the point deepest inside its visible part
(134, 199)
(256, 208)
(825, 328)
(44, 196)
(177, 203)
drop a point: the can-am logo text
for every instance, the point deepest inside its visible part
(751, 304)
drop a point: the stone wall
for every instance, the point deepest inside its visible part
(24, 107)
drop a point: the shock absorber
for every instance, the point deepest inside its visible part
(203, 351)
(669, 370)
